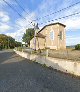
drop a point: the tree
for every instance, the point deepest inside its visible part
(6, 42)
(3, 40)
(28, 35)
(10, 42)
(17, 44)
(77, 47)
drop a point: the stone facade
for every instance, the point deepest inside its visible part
(53, 37)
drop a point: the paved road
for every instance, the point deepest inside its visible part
(21, 75)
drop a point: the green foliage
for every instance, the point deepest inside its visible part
(17, 44)
(28, 35)
(1, 47)
(77, 47)
(19, 48)
(11, 42)
(44, 65)
(7, 42)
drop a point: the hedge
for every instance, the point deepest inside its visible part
(77, 47)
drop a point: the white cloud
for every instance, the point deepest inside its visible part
(1, 2)
(4, 27)
(17, 35)
(73, 24)
(45, 8)
(4, 16)
(54, 5)
(72, 41)
(26, 23)
(4, 20)
(21, 26)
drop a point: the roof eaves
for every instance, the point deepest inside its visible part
(52, 24)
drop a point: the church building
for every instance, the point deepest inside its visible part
(51, 36)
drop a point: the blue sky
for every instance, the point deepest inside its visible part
(14, 25)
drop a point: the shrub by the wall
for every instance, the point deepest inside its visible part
(77, 47)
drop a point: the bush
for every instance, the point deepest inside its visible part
(19, 48)
(77, 47)
(1, 47)
(44, 65)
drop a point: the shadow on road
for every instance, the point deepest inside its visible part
(5, 56)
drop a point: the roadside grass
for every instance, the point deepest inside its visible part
(69, 54)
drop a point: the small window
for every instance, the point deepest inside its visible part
(52, 35)
(61, 35)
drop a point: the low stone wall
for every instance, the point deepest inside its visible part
(66, 66)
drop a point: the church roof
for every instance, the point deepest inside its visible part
(52, 24)
(40, 35)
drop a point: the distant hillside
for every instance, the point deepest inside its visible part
(72, 46)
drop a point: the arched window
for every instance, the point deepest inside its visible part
(52, 35)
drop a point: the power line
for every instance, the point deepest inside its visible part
(20, 6)
(63, 17)
(14, 9)
(23, 10)
(11, 25)
(57, 11)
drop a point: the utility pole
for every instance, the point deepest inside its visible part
(36, 28)
(34, 37)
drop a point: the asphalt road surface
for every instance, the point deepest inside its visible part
(21, 75)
